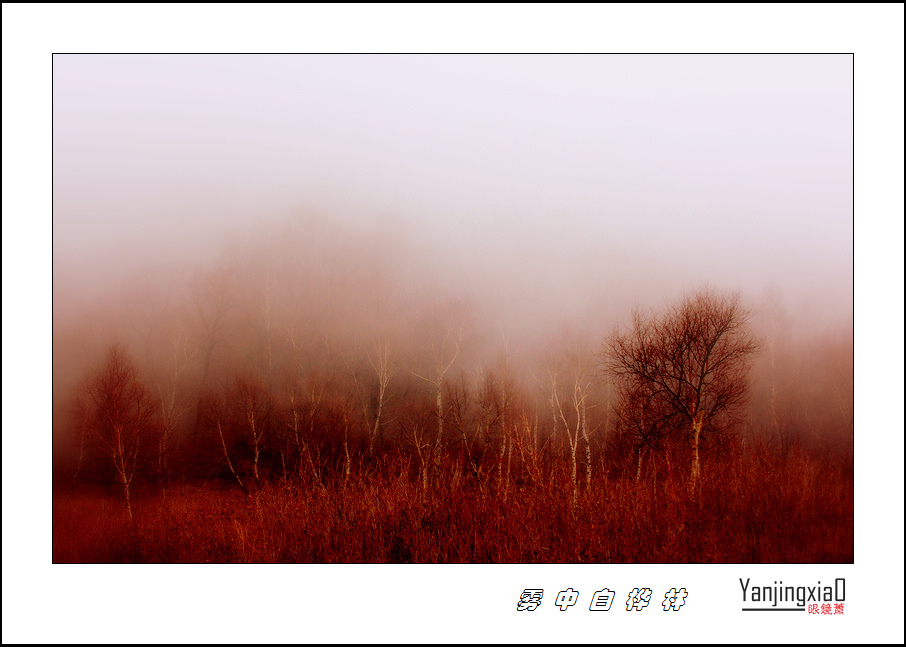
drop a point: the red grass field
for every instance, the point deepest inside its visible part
(752, 508)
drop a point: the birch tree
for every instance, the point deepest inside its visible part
(252, 408)
(570, 382)
(384, 367)
(372, 392)
(443, 354)
(122, 418)
(689, 365)
(305, 393)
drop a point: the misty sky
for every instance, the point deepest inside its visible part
(614, 171)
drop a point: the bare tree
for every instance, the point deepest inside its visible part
(252, 409)
(775, 322)
(81, 414)
(461, 404)
(305, 391)
(304, 404)
(444, 354)
(173, 405)
(495, 401)
(122, 417)
(490, 419)
(384, 368)
(646, 418)
(571, 380)
(373, 397)
(213, 408)
(212, 294)
(686, 368)
(243, 420)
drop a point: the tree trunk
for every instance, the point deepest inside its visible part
(697, 421)
(572, 448)
(348, 461)
(440, 423)
(227, 456)
(587, 448)
(255, 464)
(506, 481)
(126, 493)
(376, 433)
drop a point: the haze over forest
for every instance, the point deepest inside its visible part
(548, 193)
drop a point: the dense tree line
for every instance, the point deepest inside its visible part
(306, 367)
(671, 390)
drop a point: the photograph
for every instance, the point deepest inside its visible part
(453, 309)
(435, 323)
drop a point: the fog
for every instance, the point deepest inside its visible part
(732, 169)
(517, 199)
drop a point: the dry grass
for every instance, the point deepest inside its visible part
(751, 509)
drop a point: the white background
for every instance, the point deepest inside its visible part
(43, 602)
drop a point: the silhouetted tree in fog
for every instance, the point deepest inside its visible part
(212, 294)
(687, 368)
(251, 409)
(174, 402)
(647, 417)
(443, 354)
(122, 418)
